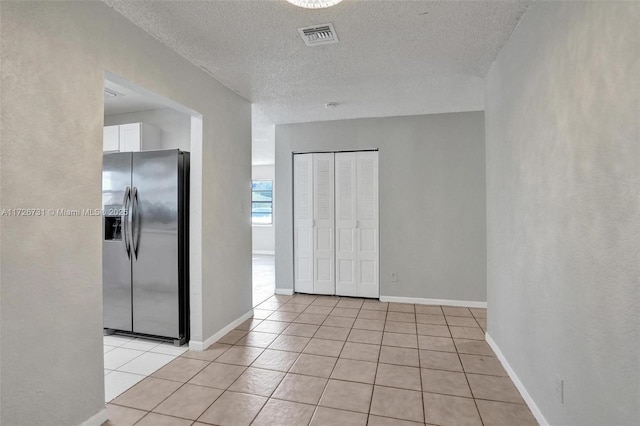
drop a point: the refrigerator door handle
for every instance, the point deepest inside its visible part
(124, 218)
(135, 218)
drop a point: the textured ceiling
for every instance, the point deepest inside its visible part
(394, 57)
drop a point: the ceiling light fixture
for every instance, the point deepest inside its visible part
(314, 4)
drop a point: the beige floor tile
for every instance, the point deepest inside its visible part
(431, 343)
(123, 416)
(360, 351)
(284, 413)
(400, 340)
(275, 360)
(209, 354)
(397, 376)
(302, 330)
(397, 403)
(318, 310)
(332, 333)
(461, 321)
(375, 305)
(479, 364)
(450, 410)
(430, 319)
(436, 360)
(429, 309)
(231, 408)
(473, 347)
(147, 394)
(249, 324)
(495, 413)
(261, 313)
(399, 356)
(473, 333)
(401, 307)
(314, 319)
(494, 388)
(365, 336)
(354, 371)
(482, 322)
(217, 375)
(350, 303)
(400, 327)
(314, 365)
(401, 316)
(283, 316)
(232, 337)
(257, 381)
(344, 312)
(181, 369)
(240, 355)
(299, 388)
(337, 321)
(457, 311)
(372, 314)
(257, 339)
(269, 306)
(479, 312)
(324, 347)
(332, 417)
(189, 401)
(349, 396)
(326, 301)
(445, 382)
(369, 324)
(292, 308)
(267, 326)
(433, 330)
(289, 343)
(153, 419)
(388, 421)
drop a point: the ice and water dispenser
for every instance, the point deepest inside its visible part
(112, 225)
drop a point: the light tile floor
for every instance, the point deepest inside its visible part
(264, 277)
(307, 360)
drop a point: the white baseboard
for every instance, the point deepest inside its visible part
(269, 252)
(198, 346)
(423, 301)
(284, 291)
(97, 419)
(516, 381)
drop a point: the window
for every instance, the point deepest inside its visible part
(262, 202)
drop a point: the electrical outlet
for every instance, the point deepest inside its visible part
(394, 277)
(559, 389)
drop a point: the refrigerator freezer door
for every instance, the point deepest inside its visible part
(155, 244)
(116, 265)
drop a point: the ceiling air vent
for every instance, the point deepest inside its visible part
(318, 34)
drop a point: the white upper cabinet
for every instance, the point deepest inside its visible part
(131, 137)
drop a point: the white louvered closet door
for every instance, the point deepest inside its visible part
(346, 256)
(367, 225)
(303, 222)
(323, 215)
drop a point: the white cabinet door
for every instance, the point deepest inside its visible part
(111, 139)
(323, 229)
(346, 260)
(130, 137)
(367, 224)
(303, 222)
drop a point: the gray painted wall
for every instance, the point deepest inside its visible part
(54, 56)
(432, 199)
(563, 228)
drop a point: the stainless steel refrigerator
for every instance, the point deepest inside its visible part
(145, 256)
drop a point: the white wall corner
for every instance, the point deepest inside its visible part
(516, 381)
(284, 291)
(199, 346)
(97, 419)
(423, 301)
